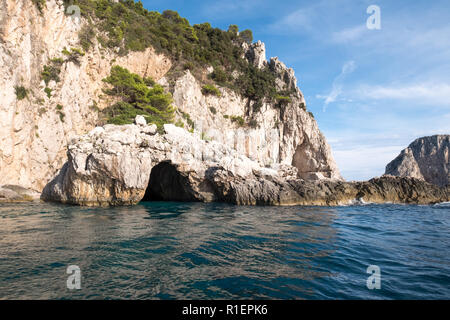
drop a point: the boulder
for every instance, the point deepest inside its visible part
(14, 193)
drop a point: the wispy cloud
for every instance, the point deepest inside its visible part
(337, 86)
(365, 162)
(226, 8)
(297, 21)
(436, 94)
(349, 34)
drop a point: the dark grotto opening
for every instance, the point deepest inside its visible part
(168, 184)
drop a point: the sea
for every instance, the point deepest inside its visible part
(172, 250)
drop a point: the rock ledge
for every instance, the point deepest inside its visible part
(123, 165)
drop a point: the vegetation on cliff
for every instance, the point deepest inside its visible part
(126, 26)
(21, 92)
(210, 89)
(139, 96)
(40, 4)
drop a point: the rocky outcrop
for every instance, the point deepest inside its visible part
(118, 165)
(425, 159)
(273, 190)
(286, 134)
(256, 54)
(13, 193)
(112, 165)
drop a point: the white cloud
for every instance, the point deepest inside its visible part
(365, 162)
(225, 8)
(298, 20)
(337, 86)
(349, 34)
(436, 94)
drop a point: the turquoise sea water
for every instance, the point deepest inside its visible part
(163, 250)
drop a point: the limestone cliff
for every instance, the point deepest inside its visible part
(426, 159)
(35, 129)
(122, 165)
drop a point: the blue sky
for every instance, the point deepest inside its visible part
(371, 91)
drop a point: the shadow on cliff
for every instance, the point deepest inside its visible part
(167, 183)
(53, 191)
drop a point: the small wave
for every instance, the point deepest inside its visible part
(443, 204)
(355, 202)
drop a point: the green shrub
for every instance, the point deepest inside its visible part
(233, 29)
(253, 123)
(149, 82)
(137, 99)
(40, 4)
(94, 106)
(257, 106)
(61, 115)
(179, 124)
(86, 36)
(208, 89)
(311, 114)
(203, 136)
(74, 55)
(283, 100)
(41, 111)
(52, 70)
(219, 76)
(59, 107)
(213, 110)
(257, 84)
(188, 119)
(126, 26)
(189, 66)
(247, 35)
(239, 120)
(48, 91)
(21, 92)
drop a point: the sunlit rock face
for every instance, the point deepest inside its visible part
(286, 134)
(112, 165)
(33, 133)
(123, 165)
(426, 158)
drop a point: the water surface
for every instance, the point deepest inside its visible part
(161, 250)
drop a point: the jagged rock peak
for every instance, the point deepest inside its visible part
(426, 158)
(256, 54)
(287, 80)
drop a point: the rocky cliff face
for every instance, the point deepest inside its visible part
(117, 165)
(286, 134)
(35, 130)
(112, 165)
(425, 159)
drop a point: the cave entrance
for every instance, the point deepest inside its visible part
(168, 184)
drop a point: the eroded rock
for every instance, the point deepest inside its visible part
(123, 165)
(426, 159)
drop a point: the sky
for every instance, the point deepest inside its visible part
(372, 91)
